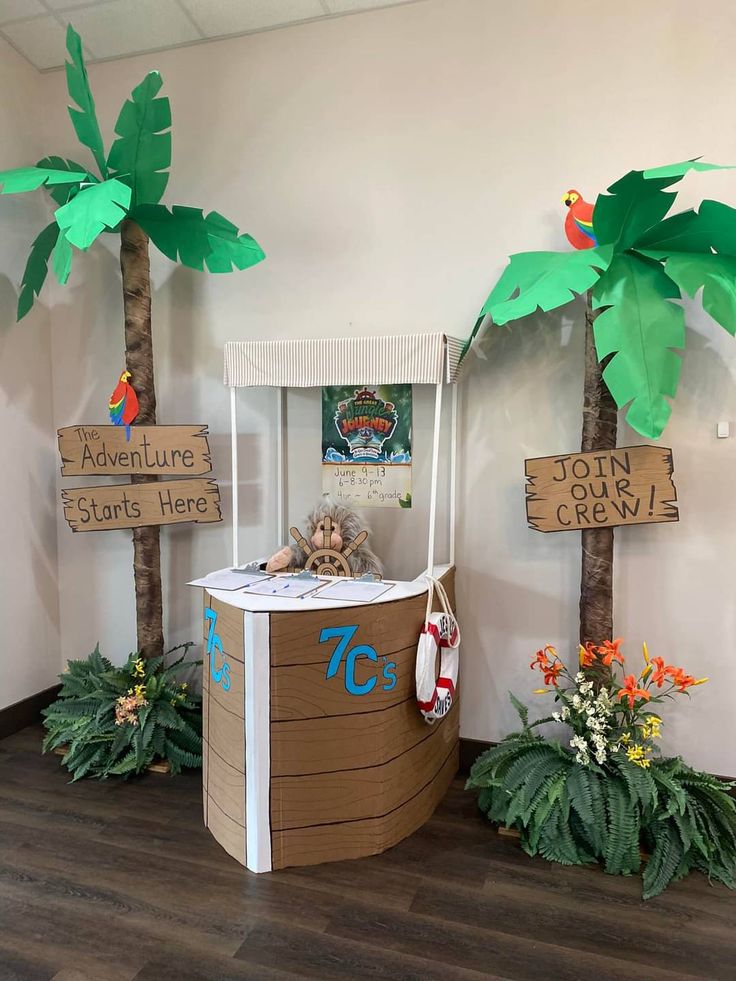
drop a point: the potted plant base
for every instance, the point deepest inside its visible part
(123, 721)
(609, 797)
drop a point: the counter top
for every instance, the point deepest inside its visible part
(256, 603)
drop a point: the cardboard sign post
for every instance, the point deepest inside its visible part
(163, 502)
(100, 451)
(626, 486)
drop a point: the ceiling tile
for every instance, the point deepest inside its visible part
(344, 6)
(129, 26)
(218, 17)
(16, 9)
(67, 4)
(41, 40)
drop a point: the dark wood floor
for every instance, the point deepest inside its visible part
(119, 881)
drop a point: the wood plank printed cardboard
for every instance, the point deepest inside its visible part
(626, 486)
(165, 502)
(174, 451)
(350, 766)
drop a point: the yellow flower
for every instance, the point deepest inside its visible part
(645, 651)
(140, 692)
(636, 755)
(130, 691)
(541, 691)
(655, 724)
(139, 669)
(625, 737)
(184, 686)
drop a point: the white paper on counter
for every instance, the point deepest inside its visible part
(229, 579)
(354, 591)
(284, 587)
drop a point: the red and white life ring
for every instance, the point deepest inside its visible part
(440, 634)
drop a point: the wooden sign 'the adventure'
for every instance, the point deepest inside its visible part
(94, 451)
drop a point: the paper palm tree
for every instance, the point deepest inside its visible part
(124, 198)
(642, 263)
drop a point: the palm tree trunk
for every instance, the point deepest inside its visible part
(599, 433)
(135, 267)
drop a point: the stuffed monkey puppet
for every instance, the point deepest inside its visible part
(346, 526)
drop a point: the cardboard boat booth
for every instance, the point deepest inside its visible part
(315, 748)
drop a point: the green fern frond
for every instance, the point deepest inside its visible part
(521, 710)
(572, 814)
(84, 720)
(664, 862)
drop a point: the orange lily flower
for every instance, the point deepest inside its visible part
(541, 658)
(680, 677)
(587, 655)
(551, 672)
(631, 691)
(610, 651)
(683, 680)
(660, 671)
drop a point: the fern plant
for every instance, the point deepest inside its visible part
(117, 721)
(609, 795)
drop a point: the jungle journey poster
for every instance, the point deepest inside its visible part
(366, 445)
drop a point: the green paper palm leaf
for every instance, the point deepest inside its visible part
(716, 274)
(632, 205)
(639, 328)
(95, 208)
(22, 179)
(680, 169)
(186, 235)
(62, 192)
(84, 119)
(62, 263)
(36, 269)
(543, 280)
(142, 150)
(713, 226)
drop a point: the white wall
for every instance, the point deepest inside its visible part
(29, 614)
(388, 163)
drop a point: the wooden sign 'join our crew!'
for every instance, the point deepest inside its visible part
(627, 486)
(166, 451)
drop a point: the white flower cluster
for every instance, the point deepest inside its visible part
(594, 713)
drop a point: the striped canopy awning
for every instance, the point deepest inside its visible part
(399, 359)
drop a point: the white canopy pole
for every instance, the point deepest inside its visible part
(280, 503)
(234, 461)
(453, 473)
(435, 475)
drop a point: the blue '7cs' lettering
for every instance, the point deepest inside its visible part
(345, 635)
(221, 676)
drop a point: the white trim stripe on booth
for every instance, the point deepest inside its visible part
(256, 634)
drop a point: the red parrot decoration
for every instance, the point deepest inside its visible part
(579, 221)
(123, 404)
